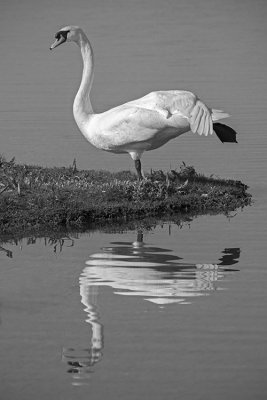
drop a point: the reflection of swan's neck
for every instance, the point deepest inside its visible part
(82, 108)
(89, 299)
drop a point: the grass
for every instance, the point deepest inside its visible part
(39, 198)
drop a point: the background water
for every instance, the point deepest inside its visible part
(193, 322)
(180, 312)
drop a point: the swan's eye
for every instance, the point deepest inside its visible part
(61, 33)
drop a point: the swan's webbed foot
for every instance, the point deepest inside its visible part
(137, 164)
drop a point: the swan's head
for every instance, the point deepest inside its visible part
(67, 34)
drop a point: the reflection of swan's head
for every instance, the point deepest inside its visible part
(67, 34)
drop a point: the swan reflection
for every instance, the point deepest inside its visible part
(157, 275)
(138, 269)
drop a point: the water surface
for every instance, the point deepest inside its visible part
(165, 313)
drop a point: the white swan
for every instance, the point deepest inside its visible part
(143, 124)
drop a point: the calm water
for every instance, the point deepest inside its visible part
(174, 312)
(177, 312)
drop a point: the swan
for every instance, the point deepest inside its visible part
(143, 124)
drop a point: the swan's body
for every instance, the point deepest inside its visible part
(139, 125)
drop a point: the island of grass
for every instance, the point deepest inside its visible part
(38, 198)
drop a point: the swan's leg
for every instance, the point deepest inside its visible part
(135, 155)
(137, 164)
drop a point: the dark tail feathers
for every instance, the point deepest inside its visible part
(225, 133)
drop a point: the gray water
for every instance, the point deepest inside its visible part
(176, 312)
(173, 312)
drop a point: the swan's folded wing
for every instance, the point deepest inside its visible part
(167, 103)
(180, 103)
(189, 106)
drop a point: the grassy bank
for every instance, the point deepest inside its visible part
(34, 197)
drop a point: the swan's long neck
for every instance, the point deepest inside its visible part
(82, 107)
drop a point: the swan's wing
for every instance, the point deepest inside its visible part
(201, 119)
(182, 103)
(167, 102)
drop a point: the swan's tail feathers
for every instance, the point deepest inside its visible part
(218, 114)
(225, 133)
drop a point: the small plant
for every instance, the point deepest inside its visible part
(187, 171)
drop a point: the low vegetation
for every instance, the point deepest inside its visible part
(37, 198)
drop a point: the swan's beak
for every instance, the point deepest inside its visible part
(58, 42)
